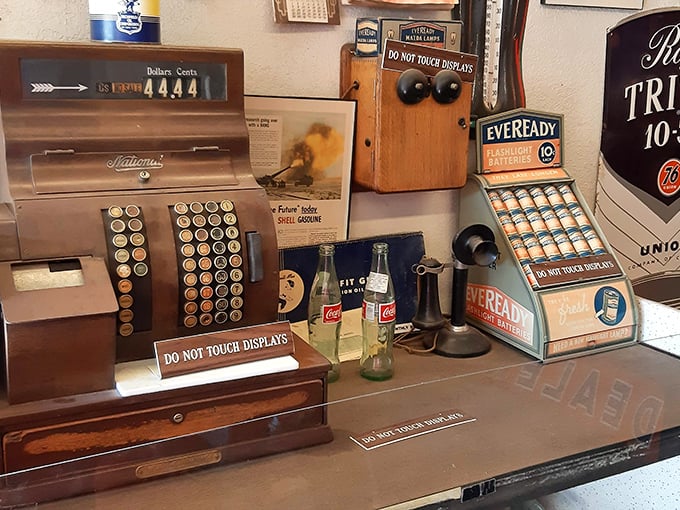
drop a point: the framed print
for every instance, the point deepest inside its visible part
(301, 154)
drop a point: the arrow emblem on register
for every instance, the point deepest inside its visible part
(48, 87)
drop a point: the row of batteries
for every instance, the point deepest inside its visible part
(208, 253)
(545, 224)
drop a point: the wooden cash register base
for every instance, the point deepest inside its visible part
(158, 433)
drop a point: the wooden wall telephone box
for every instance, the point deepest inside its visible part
(413, 116)
(129, 215)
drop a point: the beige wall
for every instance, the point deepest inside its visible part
(563, 61)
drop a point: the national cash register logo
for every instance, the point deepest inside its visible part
(131, 162)
(129, 21)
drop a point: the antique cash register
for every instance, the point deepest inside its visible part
(129, 216)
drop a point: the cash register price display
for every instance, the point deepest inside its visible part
(129, 215)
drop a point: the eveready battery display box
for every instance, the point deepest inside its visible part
(371, 34)
(557, 288)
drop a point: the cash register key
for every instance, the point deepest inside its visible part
(132, 211)
(120, 240)
(206, 306)
(230, 219)
(234, 246)
(126, 315)
(214, 220)
(125, 301)
(236, 315)
(231, 232)
(135, 224)
(236, 289)
(118, 226)
(121, 256)
(141, 269)
(115, 211)
(188, 250)
(235, 260)
(216, 233)
(186, 236)
(190, 321)
(206, 278)
(205, 263)
(190, 308)
(139, 254)
(227, 205)
(124, 286)
(219, 247)
(221, 317)
(199, 220)
(183, 222)
(196, 207)
(221, 304)
(190, 279)
(203, 249)
(206, 292)
(181, 208)
(211, 206)
(201, 234)
(236, 302)
(236, 275)
(221, 290)
(190, 294)
(137, 239)
(123, 270)
(206, 319)
(221, 276)
(126, 329)
(189, 265)
(220, 262)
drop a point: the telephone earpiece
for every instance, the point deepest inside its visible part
(413, 86)
(446, 86)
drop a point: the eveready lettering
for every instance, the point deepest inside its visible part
(518, 129)
(498, 304)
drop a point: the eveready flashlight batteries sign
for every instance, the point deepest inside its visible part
(519, 140)
(638, 197)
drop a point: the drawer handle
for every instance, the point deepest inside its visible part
(178, 418)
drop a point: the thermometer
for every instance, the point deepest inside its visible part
(492, 52)
(494, 30)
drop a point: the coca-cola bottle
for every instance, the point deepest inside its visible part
(324, 313)
(378, 318)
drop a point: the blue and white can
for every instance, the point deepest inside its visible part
(129, 21)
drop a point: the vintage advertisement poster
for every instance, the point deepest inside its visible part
(301, 154)
(638, 193)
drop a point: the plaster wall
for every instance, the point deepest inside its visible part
(563, 67)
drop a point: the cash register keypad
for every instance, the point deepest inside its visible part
(129, 266)
(210, 262)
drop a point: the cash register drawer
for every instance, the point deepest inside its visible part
(32, 447)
